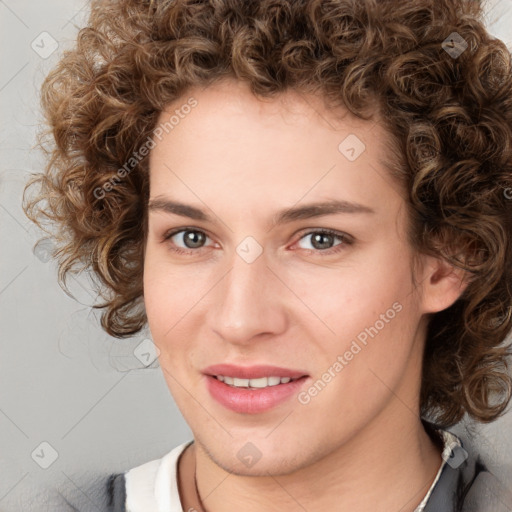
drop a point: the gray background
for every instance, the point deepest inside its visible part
(64, 382)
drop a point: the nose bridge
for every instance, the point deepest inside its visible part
(245, 303)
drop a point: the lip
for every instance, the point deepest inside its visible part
(252, 372)
(256, 400)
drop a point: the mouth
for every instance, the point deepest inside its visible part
(259, 383)
(252, 390)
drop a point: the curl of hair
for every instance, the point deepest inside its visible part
(450, 121)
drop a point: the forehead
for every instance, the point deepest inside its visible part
(232, 97)
(278, 150)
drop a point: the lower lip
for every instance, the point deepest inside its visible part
(252, 400)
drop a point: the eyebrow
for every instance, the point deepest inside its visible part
(285, 216)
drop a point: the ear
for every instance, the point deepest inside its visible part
(441, 283)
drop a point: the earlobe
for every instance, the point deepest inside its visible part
(443, 284)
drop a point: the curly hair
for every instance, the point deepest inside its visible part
(449, 116)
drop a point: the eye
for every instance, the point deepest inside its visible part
(189, 240)
(192, 239)
(321, 241)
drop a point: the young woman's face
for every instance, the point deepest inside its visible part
(245, 274)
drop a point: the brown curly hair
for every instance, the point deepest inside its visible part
(449, 117)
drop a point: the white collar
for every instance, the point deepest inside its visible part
(450, 441)
(153, 486)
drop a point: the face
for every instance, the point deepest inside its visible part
(250, 275)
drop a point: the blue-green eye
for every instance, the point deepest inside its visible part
(322, 240)
(191, 240)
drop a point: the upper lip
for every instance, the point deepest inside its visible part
(252, 372)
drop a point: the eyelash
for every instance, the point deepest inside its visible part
(345, 240)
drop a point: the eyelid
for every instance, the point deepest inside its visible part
(334, 232)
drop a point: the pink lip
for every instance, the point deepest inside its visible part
(252, 401)
(252, 372)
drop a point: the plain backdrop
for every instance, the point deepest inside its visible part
(76, 404)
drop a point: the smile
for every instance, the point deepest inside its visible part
(260, 383)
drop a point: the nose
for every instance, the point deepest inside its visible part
(249, 302)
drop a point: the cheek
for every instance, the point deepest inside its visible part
(168, 288)
(164, 297)
(353, 297)
(373, 313)
(172, 299)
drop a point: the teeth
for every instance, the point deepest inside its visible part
(261, 382)
(240, 383)
(274, 381)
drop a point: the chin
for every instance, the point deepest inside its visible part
(270, 466)
(256, 458)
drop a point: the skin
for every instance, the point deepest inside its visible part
(359, 443)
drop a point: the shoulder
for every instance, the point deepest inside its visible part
(465, 484)
(146, 487)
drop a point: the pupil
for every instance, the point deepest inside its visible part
(318, 237)
(194, 238)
